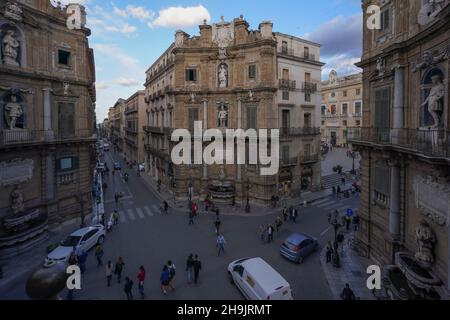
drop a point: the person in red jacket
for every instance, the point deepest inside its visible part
(141, 280)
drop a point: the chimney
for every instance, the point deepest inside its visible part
(265, 28)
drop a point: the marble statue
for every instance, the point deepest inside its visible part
(223, 117)
(426, 240)
(435, 100)
(66, 87)
(333, 77)
(13, 111)
(17, 205)
(380, 66)
(10, 49)
(223, 76)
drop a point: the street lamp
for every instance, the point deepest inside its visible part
(334, 222)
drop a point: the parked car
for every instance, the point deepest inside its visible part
(298, 246)
(117, 166)
(101, 166)
(257, 280)
(82, 239)
(106, 147)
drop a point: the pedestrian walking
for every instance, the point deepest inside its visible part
(190, 268)
(285, 213)
(141, 279)
(262, 233)
(73, 258)
(329, 252)
(343, 181)
(278, 223)
(109, 273)
(355, 223)
(99, 255)
(217, 225)
(270, 231)
(294, 215)
(82, 261)
(347, 293)
(165, 279)
(217, 213)
(338, 191)
(118, 269)
(116, 199)
(191, 217)
(221, 244)
(348, 221)
(197, 267)
(128, 288)
(340, 241)
(172, 272)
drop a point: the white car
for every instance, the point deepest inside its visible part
(83, 239)
(257, 280)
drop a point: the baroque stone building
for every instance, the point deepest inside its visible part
(135, 119)
(341, 107)
(231, 77)
(405, 145)
(47, 122)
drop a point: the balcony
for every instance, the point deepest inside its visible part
(158, 130)
(131, 130)
(309, 87)
(309, 56)
(10, 138)
(130, 141)
(430, 143)
(302, 131)
(310, 158)
(286, 84)
(157, 152)
(288, 162)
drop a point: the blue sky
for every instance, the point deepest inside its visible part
(128, 36)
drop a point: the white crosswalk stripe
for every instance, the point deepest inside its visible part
(140, 213)
(148, 211)
(326, 204)
(131, 215)
(321, 202)
(333, 206)
(123, 219)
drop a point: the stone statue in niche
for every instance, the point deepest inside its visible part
(426, 240)
(223, 76)
(333, 77)
(435, 100)
(223, 116)
(17, 205)
(10, 47)
(13, 112)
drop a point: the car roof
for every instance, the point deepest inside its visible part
(82, 232)
(298, 238)
(268, 278)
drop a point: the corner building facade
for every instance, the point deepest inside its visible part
(231, 77)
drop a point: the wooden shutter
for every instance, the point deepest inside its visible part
(382, 114)
(251, 118)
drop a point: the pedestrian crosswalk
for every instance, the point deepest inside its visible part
(136, 214)
(329, 204)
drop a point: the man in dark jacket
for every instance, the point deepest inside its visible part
(197, 268)
(347, 293)
(128, 288)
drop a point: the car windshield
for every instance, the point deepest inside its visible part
(70, 241)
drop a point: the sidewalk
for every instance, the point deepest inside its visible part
(352, 271)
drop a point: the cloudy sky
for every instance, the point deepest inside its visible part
(128, 35)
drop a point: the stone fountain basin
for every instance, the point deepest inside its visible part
(416, 273)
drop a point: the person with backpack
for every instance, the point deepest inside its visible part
(128, 288)
(172, 271)
(220, 244)
(141, 278)
(189, 268)
(197, 267)
(118, 269)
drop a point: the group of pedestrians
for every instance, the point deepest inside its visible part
(290, 214)
(193, 267)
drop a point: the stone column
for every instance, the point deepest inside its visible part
(205, 127)
(48, 114)
(239, 126)
(394, 207)
(398, 114)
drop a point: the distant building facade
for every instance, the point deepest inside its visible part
(135, 119)
(341, 109)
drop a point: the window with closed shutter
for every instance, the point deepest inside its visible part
(285, 154)
(192, 116)
(381, 184)
(251, 117)
(66, 119)
(252, 72)
(382, 114)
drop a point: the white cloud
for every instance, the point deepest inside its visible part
(120, 12)
(178, 17)
(140, 13)
(126, 82)
(343, 64)
(102, 21)
(115, 52)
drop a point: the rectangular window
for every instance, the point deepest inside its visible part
(344, 123)
(306, 53)
(382, 114)
(284, 47)
(344, 108)
(252, 72)
(344, 93)
(63, 57)
(66, 119)
(385, 17)
(67, 164)
(285, 121)
(358, 123)
(358, 92)
(308, 97)
(307, 152)
(307, 120)
(192, 116)
(285, 74)
(285, 95)
(382, 185)
(358, 107)
(191, 75)
(251, 117)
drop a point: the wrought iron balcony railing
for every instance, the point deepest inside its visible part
(429, 142)
(10, 138)
(302, 131)
(287, 84)
(310, 87)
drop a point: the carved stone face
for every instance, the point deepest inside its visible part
(436, 80)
